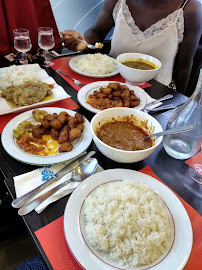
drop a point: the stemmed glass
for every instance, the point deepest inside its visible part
(196, 173)
(46, 42)
(22, 42)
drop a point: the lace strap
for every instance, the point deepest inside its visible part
(184, 4)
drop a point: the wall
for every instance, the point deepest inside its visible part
(76, 14)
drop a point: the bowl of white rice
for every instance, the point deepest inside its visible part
(128, 223)
(94, 65)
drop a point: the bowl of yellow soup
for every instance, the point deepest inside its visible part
(138, 68)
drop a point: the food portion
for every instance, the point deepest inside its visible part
(54, 133)
(27, 93)
(114, 95)
(129, 222)
(124, 135)
(139, 64)
(21, 86)
(99, 45)
(97, 64)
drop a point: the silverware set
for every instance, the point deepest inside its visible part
(83, 167)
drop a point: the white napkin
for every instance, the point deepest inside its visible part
(26, 182)
(150, 99)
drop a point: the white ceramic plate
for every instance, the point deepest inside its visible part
(89, 259)
(10, 146)
(75, 69)
(88, 89)
(58, 93)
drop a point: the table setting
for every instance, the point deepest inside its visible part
(50, 191)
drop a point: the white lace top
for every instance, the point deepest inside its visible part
(153, 29)
(161, 40)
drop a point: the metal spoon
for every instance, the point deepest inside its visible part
(90, 46)
(80, 173)
(172, 131)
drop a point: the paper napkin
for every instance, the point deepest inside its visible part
(26, 182)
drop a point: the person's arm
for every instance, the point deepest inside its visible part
(96, 33)
(187, 49)
(103, 24)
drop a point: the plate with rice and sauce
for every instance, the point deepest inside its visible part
(27, 86)
(126, 219)
(94, 65)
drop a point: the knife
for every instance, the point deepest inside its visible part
(165, 107)
(158, 100)
(79, 176)
(17, 203)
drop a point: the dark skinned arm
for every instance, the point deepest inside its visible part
(187, 49)
(103, 24)
(96, 33)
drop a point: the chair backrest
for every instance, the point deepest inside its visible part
(29, 14)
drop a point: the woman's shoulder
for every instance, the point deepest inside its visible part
(193, 7)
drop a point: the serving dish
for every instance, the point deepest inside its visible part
(86, 256)
(10, 146)
(137, 76)
(119, 155)
(58, 93)
(88, 89)
(72, 65)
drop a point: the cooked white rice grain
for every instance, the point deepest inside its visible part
(16, 75)
(128, 221)
(97, 64)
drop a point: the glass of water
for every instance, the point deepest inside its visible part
(22, 42)
(46, 42)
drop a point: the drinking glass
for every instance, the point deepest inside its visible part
(22, 42)
(196, 173)
(46, 42)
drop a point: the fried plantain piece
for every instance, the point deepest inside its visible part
(56, 124)
(63, 136)
(65, 147)
(39, 115)
(37, 131)
(74, 133)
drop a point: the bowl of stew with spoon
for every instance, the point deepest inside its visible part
(119, 134)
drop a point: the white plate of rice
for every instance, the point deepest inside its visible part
(86, 232)
(16, 75)
(11, 147)
(94, 65)
(88, 89)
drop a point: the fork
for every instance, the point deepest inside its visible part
(77, 82)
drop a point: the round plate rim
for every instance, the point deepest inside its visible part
(83, 91)
(8, 141)
(72, 67)
(181, 219)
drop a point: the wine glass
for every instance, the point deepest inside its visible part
(46, 42)
(22, 43)
(196, 173)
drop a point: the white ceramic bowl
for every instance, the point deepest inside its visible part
(137, 76)
(118, 155)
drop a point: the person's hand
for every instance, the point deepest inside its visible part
(70, 39)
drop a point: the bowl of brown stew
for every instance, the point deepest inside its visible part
(138, 68)
(119, 134)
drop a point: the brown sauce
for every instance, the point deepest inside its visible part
(138, 64)
(124, 135)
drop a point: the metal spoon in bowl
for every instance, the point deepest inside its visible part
(172, 131)
(80, 173)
